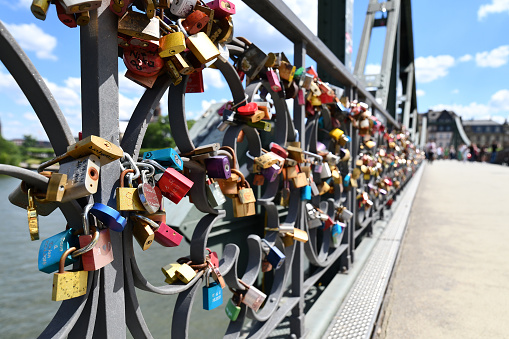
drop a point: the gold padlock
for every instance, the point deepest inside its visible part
(68, 285)
(295, 153)
(127, 197)
(336, 133)
(56, 187)
(39, 8)
(170, 272)
(245, 192)
(33, 217)
(243, 210)
(181, 64)
(266, 160)
(202, 47)
(172, 44)
(173, 72)
(143, 233)
(291, 172)
(300, 180)
(139, 25)
(286, 71)
(185, 273)
(324, 187)
(229, 186)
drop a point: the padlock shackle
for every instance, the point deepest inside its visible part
(85, 220)
(148, 221)
(243, 181)
(122, 175)
(88, 247)
(155, 164)
(233, 156)
(128, 157)
(244, 284)
(151, 168)
(61, 263)
(244, 40)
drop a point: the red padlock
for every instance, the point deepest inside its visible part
(174, 185)
(142, 62)
(67, 19)
(328, 223)
(195, 22)
(195, 83)
(275, 148)
(167, 236)
(248, 109)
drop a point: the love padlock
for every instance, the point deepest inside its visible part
(212, 294)
(110, 217)
(142, 62)
(174, 185)
(53, 248)
(100, 254)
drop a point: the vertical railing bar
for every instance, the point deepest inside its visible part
(297, 319)
(100, 116)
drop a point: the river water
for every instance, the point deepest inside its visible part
(25, 292)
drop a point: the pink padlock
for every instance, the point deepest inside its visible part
(167, 236)
(300, 97)
(222, 8)
(274, 83)
(174, 185)
(100, 255)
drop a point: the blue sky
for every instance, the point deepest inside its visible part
(461, 52)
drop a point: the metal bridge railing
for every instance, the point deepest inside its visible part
(110, 305)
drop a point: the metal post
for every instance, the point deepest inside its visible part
(100, 116)
(297, 321)
(335, 29)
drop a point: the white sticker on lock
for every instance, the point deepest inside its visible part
(82, 177)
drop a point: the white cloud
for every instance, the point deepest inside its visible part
(74, 83)
(500, 100)
(34, 39)
(455, 91)
(496, 6)
(497, 108)
(373, 68)
(127, 86)
(206, 104)
(65, 95)
(420, 93)
(31, 116)
(465, 58)
(212, 78)
(495, 58)
(126, 105)
(430, 68)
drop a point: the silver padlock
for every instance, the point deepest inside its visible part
(80, 6)
(326, 172)
(314, 189)
(253, 298)
(82, 177)
(214, 194)
(182, 8)
(148, 195)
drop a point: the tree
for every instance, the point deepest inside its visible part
(9, 153)
(158, 134)
(29, 141)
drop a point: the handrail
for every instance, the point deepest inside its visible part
(279, 15)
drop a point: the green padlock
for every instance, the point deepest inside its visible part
(233, 307)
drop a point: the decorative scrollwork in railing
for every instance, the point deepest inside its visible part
(318, 216)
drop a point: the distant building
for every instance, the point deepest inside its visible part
(445, 128)
(485, 132)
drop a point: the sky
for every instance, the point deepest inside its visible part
(461, 58)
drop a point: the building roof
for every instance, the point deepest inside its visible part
(480, 123)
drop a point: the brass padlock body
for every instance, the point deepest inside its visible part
(171, 44)
(139, 25)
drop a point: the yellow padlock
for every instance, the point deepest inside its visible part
(172, 44)
(170, 272)
(68, 285)
(185, 273)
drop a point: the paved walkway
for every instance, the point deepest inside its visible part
(452, 277)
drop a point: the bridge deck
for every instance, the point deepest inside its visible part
(451, 279)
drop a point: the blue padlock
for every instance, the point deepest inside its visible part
(275, 257)
(166, 157)
(53, 248)
(110, 217)
(346, 180)
(305, 193)
(336, 231)
(212, 294)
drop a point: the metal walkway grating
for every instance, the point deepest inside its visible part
(359, 311)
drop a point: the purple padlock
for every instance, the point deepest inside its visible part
(318, 167)
(218, 167)
(271, 173)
